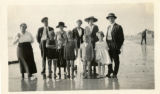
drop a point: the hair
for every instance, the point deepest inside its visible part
(52, 34)
(23, 24)
(70, 33)
(79, 21)
(100, 33)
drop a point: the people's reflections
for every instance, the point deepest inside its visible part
(48, 84)
(29, 85)
(113, 84)
(144, 51)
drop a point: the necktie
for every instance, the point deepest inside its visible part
(47, 32)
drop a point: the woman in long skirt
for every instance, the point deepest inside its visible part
(25, 52)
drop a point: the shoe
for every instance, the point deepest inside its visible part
(50, 76)
(68, 76)
(59, 75)
(114, 76)
(22, 75)
(43, 73)
(108, 76)
(55, 76)
(44, 76)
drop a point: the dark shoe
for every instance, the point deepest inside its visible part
(59, 75)
(43, 72)
(22, 75)
(68, 76)
(55, 76)
(44, 76)
(50, 76)
(108, 76)
(114, 76)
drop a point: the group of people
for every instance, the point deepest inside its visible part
(62, 48)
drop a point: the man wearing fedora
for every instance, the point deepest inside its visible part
(114, 39)
(42, 36)
(91, 30)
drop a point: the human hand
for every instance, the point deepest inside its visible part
(18, 35)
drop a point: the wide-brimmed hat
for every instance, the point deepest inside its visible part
(60, 24)
(43, 19)
(111, 15)
(91, 17)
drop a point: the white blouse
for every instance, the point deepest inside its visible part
(26, 37)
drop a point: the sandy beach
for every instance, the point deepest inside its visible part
(136, 72)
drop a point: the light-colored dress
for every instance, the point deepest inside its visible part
(102, 54)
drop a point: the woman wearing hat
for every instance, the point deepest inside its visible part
(25, 52)
(61, 38)
(91, 30)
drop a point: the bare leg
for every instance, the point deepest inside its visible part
(55, 67)
(68, 68)
(89, 69)
(99, 69)
(72, 67)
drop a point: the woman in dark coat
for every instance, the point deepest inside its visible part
(25, 52)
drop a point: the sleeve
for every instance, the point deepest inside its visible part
(38, 36)
(121, 37)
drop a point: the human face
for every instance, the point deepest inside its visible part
(23, 28)
(111, 20)
(79, 24)
(100, 37)
(45, 23)
(61, 28)
(91, 22)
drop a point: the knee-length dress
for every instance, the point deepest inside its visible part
(69, 50)
(102, 54)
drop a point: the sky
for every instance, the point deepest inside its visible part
(133, 18)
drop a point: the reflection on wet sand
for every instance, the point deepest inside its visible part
(29, 85)
(136, 72)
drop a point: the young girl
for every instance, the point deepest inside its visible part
(61, 38)
(102, 55)
(87, 55)
(70, 53)
(52, 54)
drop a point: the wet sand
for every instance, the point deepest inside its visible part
(136, 72)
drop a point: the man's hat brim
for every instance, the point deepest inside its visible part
(111, 16)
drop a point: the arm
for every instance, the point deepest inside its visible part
(76, 48)
(16, 39)
(38, 36)
(32, 39)
(120, 38)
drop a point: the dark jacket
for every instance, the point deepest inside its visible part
(117, 35)
(40, 32)
(77, 36)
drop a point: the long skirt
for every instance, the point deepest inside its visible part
(26, 58)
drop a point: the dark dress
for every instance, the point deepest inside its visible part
(69, 50)
(52, 53)
(26, 58)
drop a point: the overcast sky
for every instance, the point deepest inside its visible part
(133, 17)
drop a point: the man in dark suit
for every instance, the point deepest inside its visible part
(78, 33)
(42, 36)
(144, 36)
(114, 39)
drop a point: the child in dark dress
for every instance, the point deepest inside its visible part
(52, 54)
(70, 53)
